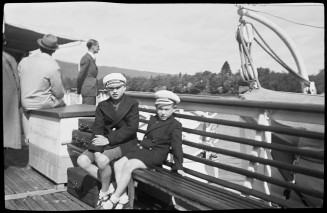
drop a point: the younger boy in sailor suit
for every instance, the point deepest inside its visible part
(114, 134)
(163, 132)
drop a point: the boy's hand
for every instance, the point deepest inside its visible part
(181, 172)
(100, 140)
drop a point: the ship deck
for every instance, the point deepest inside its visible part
(27, 189)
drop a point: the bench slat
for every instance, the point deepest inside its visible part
(210, 190)
(188, 189)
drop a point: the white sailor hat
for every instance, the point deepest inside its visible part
(166, 97)
(114, 80)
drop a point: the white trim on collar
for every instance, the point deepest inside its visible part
(91, 54)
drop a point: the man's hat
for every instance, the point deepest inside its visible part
(48, 42)
(114, 80)
(165, 97)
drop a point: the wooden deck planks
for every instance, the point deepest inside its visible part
(84, 205)
(71, 205)
(26, 184)
(32, 204)
(8, 190)
(10, 205)
(26, 177)
(20, 179)
(12, 185)
(46, 205)
(40, 178)
(55, 202)
(35, 176)
(19, 204)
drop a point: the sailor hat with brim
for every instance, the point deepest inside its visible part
(165, 97)
(114, 80)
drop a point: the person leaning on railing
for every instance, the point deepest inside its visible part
(40, 79)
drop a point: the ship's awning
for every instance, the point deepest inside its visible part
(20, 39)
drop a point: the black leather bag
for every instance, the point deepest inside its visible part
(81, 139)
(83, 186)
(86, 124)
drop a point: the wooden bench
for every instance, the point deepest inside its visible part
(196, 195)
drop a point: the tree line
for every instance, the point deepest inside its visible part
(221, 83)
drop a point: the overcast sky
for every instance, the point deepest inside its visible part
(173, 38)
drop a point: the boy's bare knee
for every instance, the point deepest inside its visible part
(83, 161)
(118, 165)
(128, 166)
(103, 163)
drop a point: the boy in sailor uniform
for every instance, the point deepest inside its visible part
(163, 132)
(114, 134)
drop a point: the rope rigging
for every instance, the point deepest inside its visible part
(245, 36)
(307, 25)
(248, 69)
(278, 59)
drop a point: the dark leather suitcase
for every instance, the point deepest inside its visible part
(86, 124)
(81, 139)
(83, 186)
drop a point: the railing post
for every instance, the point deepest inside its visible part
(66, 98)
(209, 141)
(80, 99)
(262, 136)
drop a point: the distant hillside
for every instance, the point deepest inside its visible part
(70, 70)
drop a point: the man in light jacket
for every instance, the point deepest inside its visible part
(40, 79)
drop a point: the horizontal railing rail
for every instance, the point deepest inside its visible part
(215, 100)
(277, 164)
(262, 177)
(278, 147)
(276, 129)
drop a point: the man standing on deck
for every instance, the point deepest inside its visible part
(87, 76)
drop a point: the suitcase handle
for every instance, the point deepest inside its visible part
(84, 128)
(76, 152)
(75, 186)
(79, 140)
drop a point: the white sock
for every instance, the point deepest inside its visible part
(123, 199)
(108, 204)
(114, 199)
(111, 188)
(102, 193)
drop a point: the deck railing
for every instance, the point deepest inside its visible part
(255, 127)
